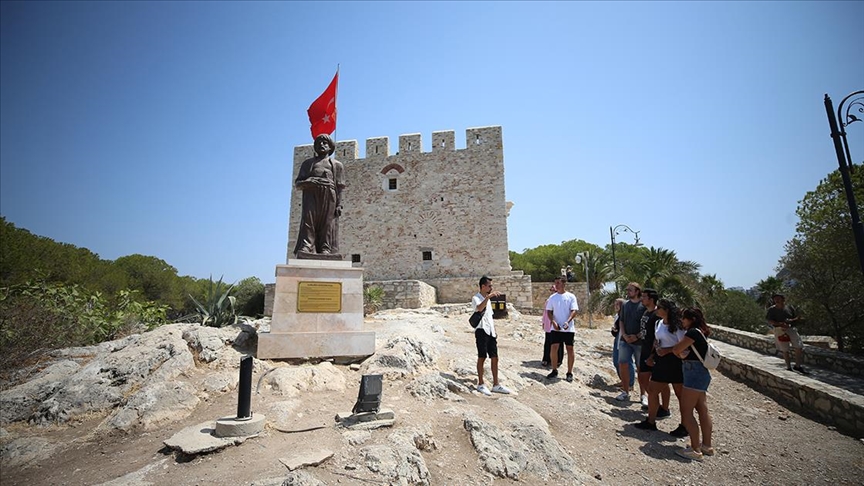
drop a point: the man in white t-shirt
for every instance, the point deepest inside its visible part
(561, 309)
(486, 338)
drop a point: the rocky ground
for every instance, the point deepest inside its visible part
(100, 415)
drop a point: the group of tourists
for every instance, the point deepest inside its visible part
(656, 343)
(664, 346)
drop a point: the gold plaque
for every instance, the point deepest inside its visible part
(319, 297)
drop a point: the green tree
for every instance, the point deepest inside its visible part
(660, 269)
(250, 297)
(153, 277)
(824, 275)
(736, 309)
(544, 262)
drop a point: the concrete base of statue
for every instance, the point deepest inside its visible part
(317, 312)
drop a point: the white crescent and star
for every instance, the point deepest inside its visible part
(326, 118)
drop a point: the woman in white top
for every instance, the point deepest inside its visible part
(667, 367)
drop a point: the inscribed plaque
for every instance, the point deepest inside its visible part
(319, 297)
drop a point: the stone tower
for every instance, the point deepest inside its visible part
(417, 215)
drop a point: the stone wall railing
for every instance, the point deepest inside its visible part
(828, 359)
(452, 309)
(825, 403)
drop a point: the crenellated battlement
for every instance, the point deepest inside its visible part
(479, 138)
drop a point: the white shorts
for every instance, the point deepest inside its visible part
(783, 338)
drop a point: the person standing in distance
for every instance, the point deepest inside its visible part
(783, 319)
(561, 309)
(486, 338)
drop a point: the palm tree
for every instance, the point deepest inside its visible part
(670, 277)
(710, 289)
(766, 288)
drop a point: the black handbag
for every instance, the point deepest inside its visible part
(475, 319)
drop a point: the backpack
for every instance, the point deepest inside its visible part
(712, 356)
(475, 318)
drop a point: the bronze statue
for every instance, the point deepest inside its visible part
(321, 179)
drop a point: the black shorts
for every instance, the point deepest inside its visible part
(646, 353)
(486, 344)
(560, 337)
(668, 369)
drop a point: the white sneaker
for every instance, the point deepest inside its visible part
(500, 389)
(689, 453)
(482, 389)
(623, 397)
(645, 400)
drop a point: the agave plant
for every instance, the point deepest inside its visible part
(373, 298)
(218, 308)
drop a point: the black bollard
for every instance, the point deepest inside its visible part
(244, 393)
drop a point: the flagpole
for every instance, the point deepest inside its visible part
(337, 105)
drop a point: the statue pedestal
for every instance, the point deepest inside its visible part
(317, 312)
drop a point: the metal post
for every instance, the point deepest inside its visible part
(588, 289)
(839, 139)
(614, 263)
(244, 391)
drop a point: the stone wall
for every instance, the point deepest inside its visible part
(404, 294)
(826, 403)
(416, 215)
(828, 359)
(457, 290)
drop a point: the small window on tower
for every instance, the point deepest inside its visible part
(355, 258)
(427, 256)
(392, 184)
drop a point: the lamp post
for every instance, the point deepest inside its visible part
(841, 147)
(612, 232)
(582, 257)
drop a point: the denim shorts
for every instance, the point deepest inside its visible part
(627, 351)
(696, 376)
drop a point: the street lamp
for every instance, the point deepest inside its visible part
(841, 146)
(582, 257)
(612, 232)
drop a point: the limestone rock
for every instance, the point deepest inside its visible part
(200, 438)
(210, 342)
(301, 478)
(221, 381)
(292, 380)
(399, 462)
(431, 386)
(522, 444)
(306, 458)
(20, 452)
(118, 368)
(401, 357)
(152, 406)
(19, 402)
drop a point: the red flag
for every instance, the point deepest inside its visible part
(322, 112)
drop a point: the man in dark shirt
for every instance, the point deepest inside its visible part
(783, 318)
(649, 322)
(630, 344)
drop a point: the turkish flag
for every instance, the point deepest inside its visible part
(322, 112)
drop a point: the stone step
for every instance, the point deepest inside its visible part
(827, 396)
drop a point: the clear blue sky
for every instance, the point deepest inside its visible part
(167, 128)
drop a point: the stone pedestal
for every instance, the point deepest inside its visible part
(296, 334)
